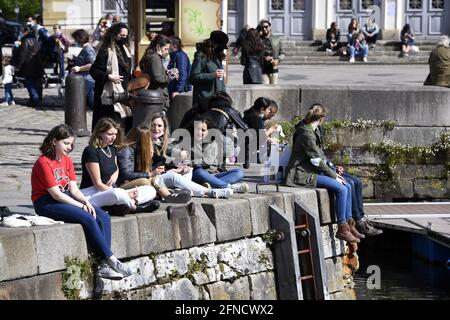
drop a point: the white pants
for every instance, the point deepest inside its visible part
(271, 78)
(117, 196)
(175, 180)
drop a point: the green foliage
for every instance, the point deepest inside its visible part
(288, 129)
(269, 237)
(25, 6)
(398, 154)
(195, 22)
(76, 272)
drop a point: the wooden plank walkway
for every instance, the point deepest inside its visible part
(429, 219)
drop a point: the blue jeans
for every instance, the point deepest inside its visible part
(97, 231)
(90, 84)
(357, 198)
(343, 196)
(220, 180)
(8, 93)
(33, 91)
(361, 52)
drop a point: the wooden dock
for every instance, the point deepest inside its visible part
(430, 219)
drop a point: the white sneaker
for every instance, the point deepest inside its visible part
(365, 59)
(12, 103)
(4, 104)
(222, 193)
(206, 185)
(240, 187)
(329, 50)
(123, 269)
(352, 60)
(106, 272)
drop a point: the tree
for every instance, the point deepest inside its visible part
(26, 7)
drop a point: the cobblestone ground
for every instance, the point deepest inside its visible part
(22, 130)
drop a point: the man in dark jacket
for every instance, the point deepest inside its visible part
(273, 53)
(27, 59)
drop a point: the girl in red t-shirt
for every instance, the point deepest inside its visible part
(55, 195)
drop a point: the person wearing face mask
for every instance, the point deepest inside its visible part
(62, 46)
(152, 64)
(111, 71)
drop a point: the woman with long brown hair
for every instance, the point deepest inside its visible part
(252, 57)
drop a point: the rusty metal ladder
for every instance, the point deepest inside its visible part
(298, 254)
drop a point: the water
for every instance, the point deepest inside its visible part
(404, 276)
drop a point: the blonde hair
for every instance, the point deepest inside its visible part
(103, 125)
(140, 139)
(315, 112)
(444, 41)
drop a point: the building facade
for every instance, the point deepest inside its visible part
(309, 19)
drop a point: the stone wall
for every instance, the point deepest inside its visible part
(219, 253)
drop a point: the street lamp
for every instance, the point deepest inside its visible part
(16, 11)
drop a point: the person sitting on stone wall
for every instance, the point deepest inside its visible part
(358, 47)
(371, 31)
(439, 63)
(333, 42)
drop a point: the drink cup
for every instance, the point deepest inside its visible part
(221, 78)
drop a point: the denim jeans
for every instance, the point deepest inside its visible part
(97, 230)
(220, 180)
(357, 198)
(33, 91)
(8, 93)
(90, 84)
(361, 52)
(343, 196)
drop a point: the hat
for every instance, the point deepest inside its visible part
(139, 82)
(219, 37)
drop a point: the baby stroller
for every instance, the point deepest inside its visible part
(50, 61)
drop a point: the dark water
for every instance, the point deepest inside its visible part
(404, 275)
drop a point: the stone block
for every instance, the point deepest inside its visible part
(335, 97)
(53, 243)
(145, 276)
(333, 267)
(393, 189)
(182, 289)
(263, 286)
(419, 136)
(197, 229)
(431, 188)
(231, 218)
(259, 210)
(243, 257)
(18, 256)
(155, 232)
(357, 156)
(411, 171)
(237, 290)
(326, 207)
(171, 264)
(125, 237)
(41, 287)
(332, 246)
(368, 188)
(354, 137)
(178, 108)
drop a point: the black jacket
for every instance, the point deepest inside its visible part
(27, 58)
(126, 161)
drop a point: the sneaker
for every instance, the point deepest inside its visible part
(221, 193)
(123, 269)
(365, 59)
(12, 103)
(206, 185)
(4, 104)
(240, 187)
(329, 50)
(365, 227)
(106, 272)
(179, 196)
(352, 60)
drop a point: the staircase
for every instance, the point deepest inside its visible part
(385, 52)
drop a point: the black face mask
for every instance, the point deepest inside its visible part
(121, 41)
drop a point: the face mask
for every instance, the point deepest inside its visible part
(121, 41)
(57, 33)
(157, 135)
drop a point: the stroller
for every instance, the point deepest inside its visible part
(50, 61)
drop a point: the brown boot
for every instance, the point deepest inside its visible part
(351, 225)
(343, 233)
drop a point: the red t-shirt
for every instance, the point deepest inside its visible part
(48, 173)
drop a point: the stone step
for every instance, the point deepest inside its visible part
(377, 49)
(371, 54)
(337, 60)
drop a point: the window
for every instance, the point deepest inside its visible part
(232, 5)
(160, 16)
(415, 4)
(109, 5)
(365, 4)
(298, 5)
(277, 5)
(345, 4)
(437, 4)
